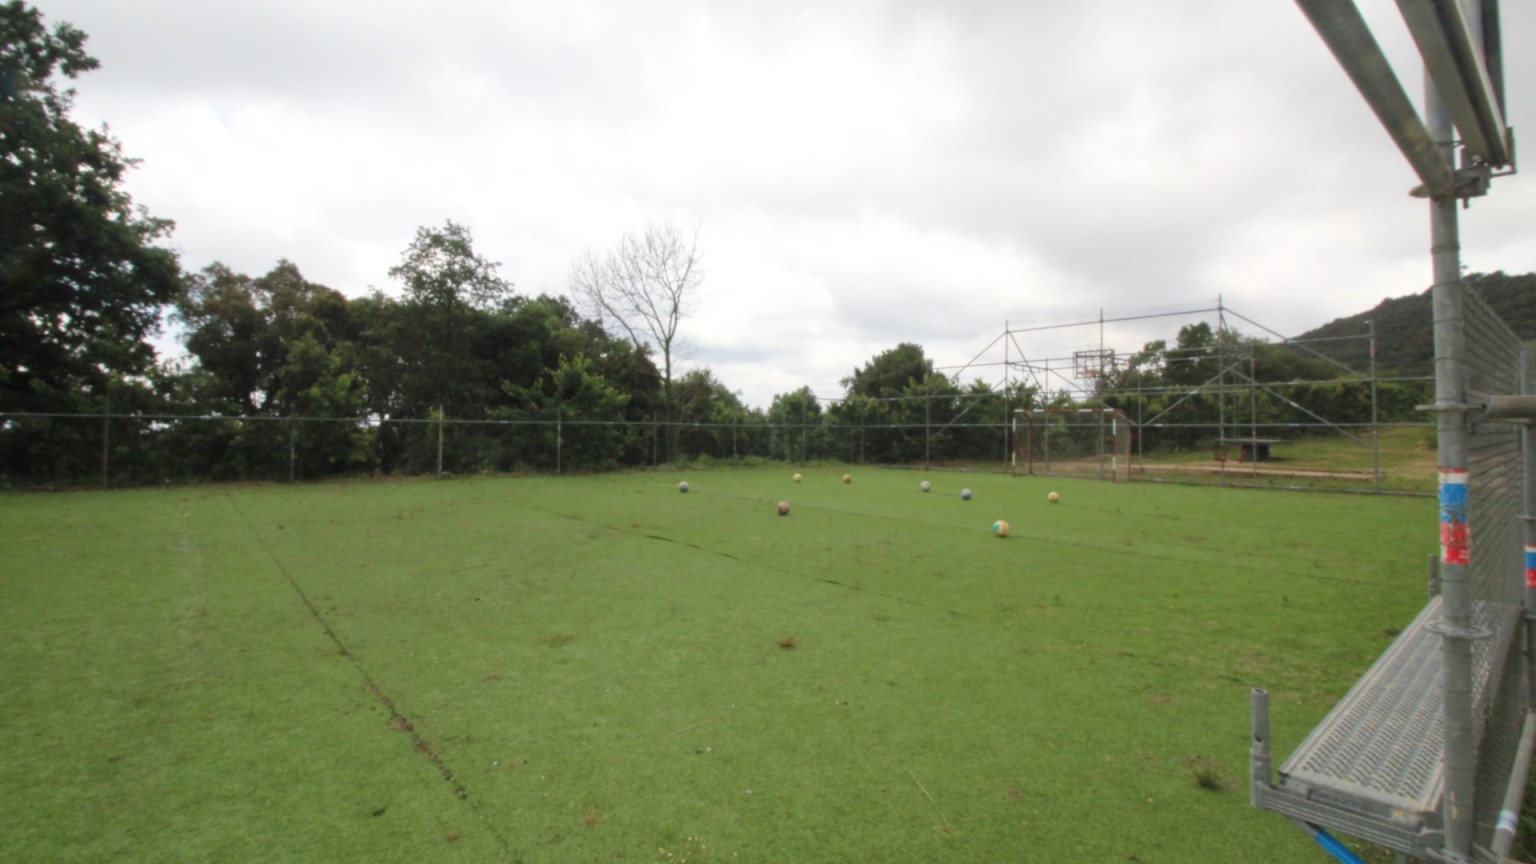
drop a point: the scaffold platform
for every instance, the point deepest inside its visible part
(1374, 767)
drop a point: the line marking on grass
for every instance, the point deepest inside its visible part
(935, 804)
(694, 726)
(397, 719)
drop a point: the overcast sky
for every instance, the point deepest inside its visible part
(860, 173)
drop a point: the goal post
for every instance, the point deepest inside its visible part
(1073, 442)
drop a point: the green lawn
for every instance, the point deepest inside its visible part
(1404, 455)
(602, 669)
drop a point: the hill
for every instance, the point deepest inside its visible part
(1405, 344)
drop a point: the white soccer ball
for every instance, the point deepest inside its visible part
(1053, 497)
(683, 486)
(965, 494)
(925, 486)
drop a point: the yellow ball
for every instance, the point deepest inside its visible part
(847, 478)
(797, 478)
(1053, 497)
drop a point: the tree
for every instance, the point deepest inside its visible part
(450, 291)
(260, 337)
(890, 372)
(278, 345)
(796, 421)
(81, 281)
(643, 288)
(708, 415)
(575, 389)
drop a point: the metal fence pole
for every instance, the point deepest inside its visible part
(1456, 629)
(442, 418)
(106, 443)
(1375, 416)
(927, 429)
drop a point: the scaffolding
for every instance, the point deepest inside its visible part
(1217, 398)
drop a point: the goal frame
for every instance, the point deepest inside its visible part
(1110, 461)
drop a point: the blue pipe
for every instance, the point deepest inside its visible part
(1336, 849)
(1330, 844)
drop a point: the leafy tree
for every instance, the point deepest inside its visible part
(279, 346)
(890, 372)
(1194, 362)
(709, 415)
(574, 389)
(449, 292)
(81, 279)
(795, 419)
(265, 340)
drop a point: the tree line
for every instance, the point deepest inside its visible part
(287, 377)
(284, 377)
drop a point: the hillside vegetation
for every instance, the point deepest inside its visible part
(1405, 344)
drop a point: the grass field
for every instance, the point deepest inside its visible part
(602, 669)
(1404, 455)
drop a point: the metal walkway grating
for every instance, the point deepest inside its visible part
(1380, 748)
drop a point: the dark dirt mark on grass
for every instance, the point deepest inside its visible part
(398, 721)
(693, 546)
(857, 587)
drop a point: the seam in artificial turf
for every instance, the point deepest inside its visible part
(397, 719)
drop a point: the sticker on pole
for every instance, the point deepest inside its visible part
(1455, 533)
(1530, 566)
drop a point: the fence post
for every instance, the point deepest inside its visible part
(106, 442)
(1375, 416)
(1045, 442)
(442, 417)
(861, 431)
(293, 453)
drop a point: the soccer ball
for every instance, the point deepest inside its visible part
(783, 508)
(1000, 528)
(683, 486)
(965, 494)
(797, 477)
(847, 478)
(925, 486)
(1053, 497)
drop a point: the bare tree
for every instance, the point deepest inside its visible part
(642, 289)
